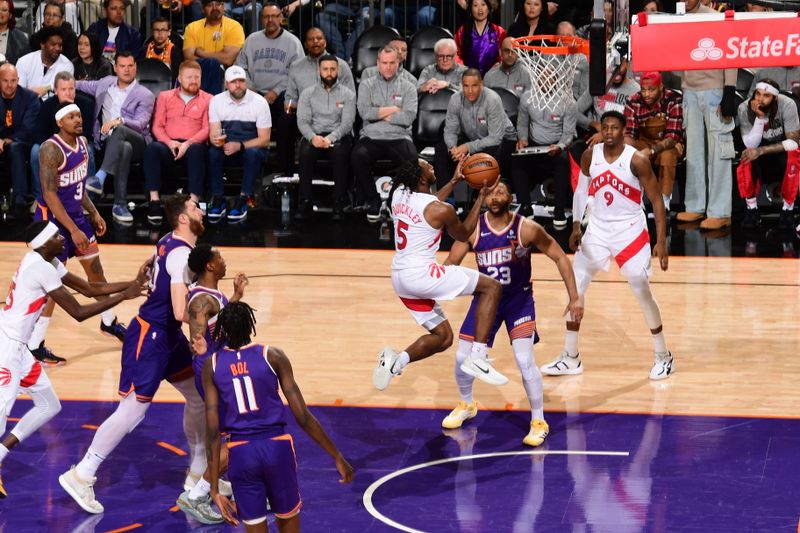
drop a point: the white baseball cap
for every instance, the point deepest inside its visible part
(235, 73)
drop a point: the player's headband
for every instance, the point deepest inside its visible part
(45, 235)
(66, 110)
(767, 88)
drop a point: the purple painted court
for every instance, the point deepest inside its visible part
(596, 472)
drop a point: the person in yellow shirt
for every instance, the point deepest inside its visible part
(213, 37)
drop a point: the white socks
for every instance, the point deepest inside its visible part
(787, 206)
(202, 488)
(463, 380)
(402, 361)
(571, 343)
(108, 316)
(478, 350)
(660, 343)
(87, 468)
(39, 331)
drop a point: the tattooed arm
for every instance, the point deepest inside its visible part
(201, 309)
(50, 158)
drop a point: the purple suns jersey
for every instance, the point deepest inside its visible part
(248, 392)
(170, 266)
(71, 174)
(195, 290)
(500, 256)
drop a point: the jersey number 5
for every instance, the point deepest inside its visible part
(400, 238)
(248, 392)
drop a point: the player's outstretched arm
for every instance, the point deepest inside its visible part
(81, 312)
(643, 170)
(458, 252)
(534, 234)
(305, 419)
(239, 283)
(92, 289)
(444, 193)
(213, 441)
(201, 309)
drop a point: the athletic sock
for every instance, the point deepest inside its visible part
(571, 343)
(87, 468)
(752, 203)
(402, 361)
(478, 350)
(660, 343)
(788, 206)
(3, 453)
(39, 331)
(463, 380)
(101, 175)
(108, 317)
(202, 488)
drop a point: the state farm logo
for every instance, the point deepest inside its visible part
(706, 49)
(5, 377)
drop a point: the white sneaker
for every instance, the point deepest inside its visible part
(663, 367)
(81, 491)
(199, 509)
(383, 374)
(564, 365)
(463, 412)
(483, 370)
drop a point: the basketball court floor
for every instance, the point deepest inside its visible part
(713, 448)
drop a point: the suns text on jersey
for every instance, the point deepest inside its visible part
(496, 256)
(72, 177)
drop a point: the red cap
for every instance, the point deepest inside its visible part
(652, 77)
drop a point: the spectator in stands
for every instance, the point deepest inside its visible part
(243, 10)
(161, 46)
(337, 15)
(123, 109)
(213, 41)
(64, 92)
(708, 109)
(399, 44)
(114, 34)
(478, 40)
(240, 125)
(326, 113)
(13, 42)
(90, 63)
(408, 17)
(532, 19)
(509, 73)
(69, 13)
(652, 7)
(180, 131)
(266, 57)
(54, 18)
(555, 129)
(304, 73)
(654, 125)
(580, 82)
(770, 130)
(445, 72)
(37, 70)
(475, 123)
(590, 108)
(20, 107)
(387, 104)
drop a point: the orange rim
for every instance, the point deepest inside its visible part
(568, 44)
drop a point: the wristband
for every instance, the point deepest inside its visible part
(789, 145)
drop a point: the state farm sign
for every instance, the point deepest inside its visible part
(725, 43)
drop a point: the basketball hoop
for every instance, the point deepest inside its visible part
(550, 61)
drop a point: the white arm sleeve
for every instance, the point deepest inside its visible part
(178, 267)
(581, 197)
(753, 138)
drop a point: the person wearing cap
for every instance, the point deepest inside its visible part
(215, 37)
(770, 130)
(266, 58)
(20, 107)
(123, 109)
(41, 277)
(654, 125)
(38, 69)
(114, 34)
(239, 127)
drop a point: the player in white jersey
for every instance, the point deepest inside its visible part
(613, 176)
(420, 218)
(39, 277)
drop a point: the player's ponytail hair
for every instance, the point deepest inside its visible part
(408, 176)
(236, 325)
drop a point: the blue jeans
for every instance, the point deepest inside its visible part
(244, 13)
(395, 16)
(157, 157)
(36, 184)
(252, 161)
(16, 155)
(709, 151)
(328, 22)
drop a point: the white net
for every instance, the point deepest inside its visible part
(551, 62)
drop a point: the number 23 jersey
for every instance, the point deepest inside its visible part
(500, 256)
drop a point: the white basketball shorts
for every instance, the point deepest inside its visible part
(627, 242)
(420, 288)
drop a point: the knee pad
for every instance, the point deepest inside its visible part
(523, 353)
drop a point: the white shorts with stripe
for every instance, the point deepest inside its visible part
(420, 288)
(627, 242)
(19, 371)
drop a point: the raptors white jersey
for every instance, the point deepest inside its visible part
(617, 192)
(415, 241)
(34, 278)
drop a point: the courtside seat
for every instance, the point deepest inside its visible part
(431, 112)
(510, 102)
(155, 75)
(420, 49)
(368, 45)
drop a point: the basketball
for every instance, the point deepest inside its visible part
(480, 170)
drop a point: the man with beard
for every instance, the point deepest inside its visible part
(37, 70)
(770, 131)
(154, 349)
(180, 128)
(325, 116)
(213, 41)
(502, 242)
(240, 124)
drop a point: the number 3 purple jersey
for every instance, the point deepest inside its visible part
(500, 256)
(71, 175)
(249, 401)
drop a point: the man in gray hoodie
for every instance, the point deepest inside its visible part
(387, 104)
(325, 116)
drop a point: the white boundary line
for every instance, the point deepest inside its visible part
(367, 499)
